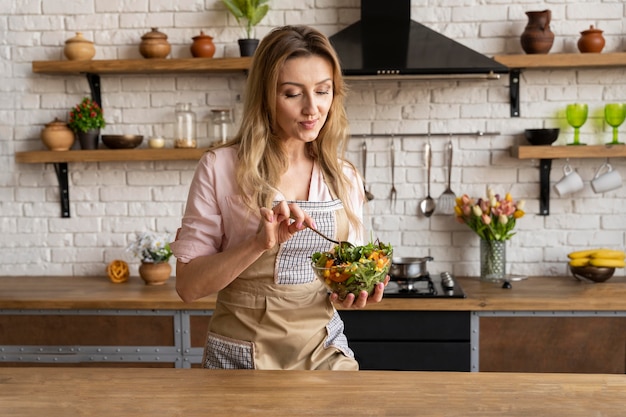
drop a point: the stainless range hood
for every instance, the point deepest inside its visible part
(387, 43)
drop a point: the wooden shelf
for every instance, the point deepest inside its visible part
(143, 66)
(109, 155)
(517, 63)
(60, 160)
(545, 155)
(561, 152)
(571, 61)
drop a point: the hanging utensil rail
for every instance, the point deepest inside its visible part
(409, 135)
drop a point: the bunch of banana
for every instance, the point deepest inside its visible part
(604, 258)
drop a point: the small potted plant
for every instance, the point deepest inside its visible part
(248, 14)
(86, 120)
(154, 251)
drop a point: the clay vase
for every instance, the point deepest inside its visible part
(88, 140)
(591, 40)
(78, 48)
(202, 46)
(57, 136)
(154, 44)
(155, 273)
(537, 37)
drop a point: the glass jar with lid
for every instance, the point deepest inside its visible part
(185, 128)
(221, 125)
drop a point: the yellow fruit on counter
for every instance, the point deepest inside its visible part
(607, 263)
(597, 253)
(118, 272)
(609, 254)
(582, 253)
(579, 261)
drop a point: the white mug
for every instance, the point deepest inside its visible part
(607, 181)
(569, 183)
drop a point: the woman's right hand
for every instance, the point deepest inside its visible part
(277, 226)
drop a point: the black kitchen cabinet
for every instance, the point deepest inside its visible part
(409, 340)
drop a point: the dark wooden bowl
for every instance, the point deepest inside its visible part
(122, 141)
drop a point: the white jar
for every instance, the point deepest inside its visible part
(185, 128)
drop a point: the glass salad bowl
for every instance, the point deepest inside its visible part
(350, 270)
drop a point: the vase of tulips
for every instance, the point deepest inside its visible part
(493, 218)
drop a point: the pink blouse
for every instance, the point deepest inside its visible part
(216, 217)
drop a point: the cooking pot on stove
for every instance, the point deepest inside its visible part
(406, 268)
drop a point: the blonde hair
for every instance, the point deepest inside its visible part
(260, 152)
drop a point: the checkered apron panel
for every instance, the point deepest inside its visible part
(293, 262)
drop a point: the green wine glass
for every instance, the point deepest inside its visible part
(576, 117)
(615, 114)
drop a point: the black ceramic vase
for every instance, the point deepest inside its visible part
(89, 139)
(248, 46)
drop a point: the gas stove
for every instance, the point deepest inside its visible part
(426, 286)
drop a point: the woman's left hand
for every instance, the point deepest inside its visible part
(363, 299)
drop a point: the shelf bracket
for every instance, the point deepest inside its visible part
(514, 80)
(64, 188)
(545, 165)
(94, 87)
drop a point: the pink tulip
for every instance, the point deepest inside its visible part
(486, 219)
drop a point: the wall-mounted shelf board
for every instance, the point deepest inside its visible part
(109, 155)
(571, 151)
(60, 160)
(546, 154)
(569, 61)
(143, 66)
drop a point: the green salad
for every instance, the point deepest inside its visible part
(351, 269)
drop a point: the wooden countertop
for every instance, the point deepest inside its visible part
(532, 294)
(95, 392)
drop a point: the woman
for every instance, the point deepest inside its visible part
(244, 231)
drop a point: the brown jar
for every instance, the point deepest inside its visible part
(154, 44)
(57, 136)
(591, 40)
(78, 48)
(202, 46)
(537, 37)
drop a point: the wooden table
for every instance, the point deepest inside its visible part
(65, 392)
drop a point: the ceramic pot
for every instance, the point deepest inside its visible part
(591, 40)
(537, 37)
(154, 44)
(202, 46)
(247, 46)
(155, 273)
(78, 48)
(88, 140)
(57, 136)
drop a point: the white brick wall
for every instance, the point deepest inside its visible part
(112, 201)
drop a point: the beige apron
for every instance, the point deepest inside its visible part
(277, 315)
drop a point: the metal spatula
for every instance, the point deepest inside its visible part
(447, 200)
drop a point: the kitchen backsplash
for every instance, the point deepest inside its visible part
(110, 201)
